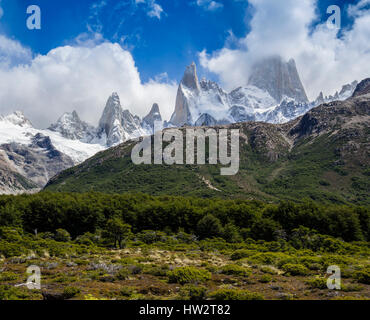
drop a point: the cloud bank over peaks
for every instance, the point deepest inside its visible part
(77, 78)
(324, 61)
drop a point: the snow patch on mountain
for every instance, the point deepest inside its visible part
(16, 128)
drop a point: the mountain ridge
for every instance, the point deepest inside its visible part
(322, 155)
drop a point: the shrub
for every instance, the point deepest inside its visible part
(127, 292)
(11, 293)
(62, 235)
(11, 249)
(8, 276)
(193, 293)
(363, 276)
(209, 227)
(188, 275)
(265, 278)
(240, 254)
(295, 269)
(269, 270)
(70, 292)
(150, 237)
(233, 269)
(122, 274)
(235, 294)
(317, 283)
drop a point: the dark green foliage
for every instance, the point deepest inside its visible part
(295, 269)
(70, 292)
(188, 275)
(363, 276)
(317, 283)
(193, 293)
(62, 235)
(235, 294)
(235, 270)
(117, 230)
(305, 224)
(209, 227)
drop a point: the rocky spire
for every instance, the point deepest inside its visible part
(280, 79)
(188, 89)
(110, 121)
(153, 116)
(190, 78)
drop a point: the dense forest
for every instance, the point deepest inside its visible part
(230, 219)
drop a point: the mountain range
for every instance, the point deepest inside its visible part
(274, 94)
(322, 156)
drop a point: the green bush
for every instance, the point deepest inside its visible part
(122, 274)
(8, 276)
(209, 227)
(62, 235)
(70, 292)
(295, 269)
(9, 250)
(193, 293)
(363, 276)
(11, 293)
(240, 254)
(235, 270)
(265, 278)
(127, 292)
(317, 283)
(235, 294)
(188, 275)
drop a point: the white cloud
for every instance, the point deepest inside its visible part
(81, 78)
(12, 53)
(210, 5)
(283, 27)
(154, 10)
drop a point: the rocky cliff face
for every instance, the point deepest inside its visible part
(39, 161)
(117, 125)
(362, 88)
(280, 79)
(272, 82)
(11, 181)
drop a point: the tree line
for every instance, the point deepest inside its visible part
(233, 220)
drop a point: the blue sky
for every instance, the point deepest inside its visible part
(86, 49)
(159, 44)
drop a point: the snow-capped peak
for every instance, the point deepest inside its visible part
(70, 126)
(18, 118)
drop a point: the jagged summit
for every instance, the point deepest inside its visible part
(362, 88)
(280, 79)
(190, 78)
(149, 120)
(117, 125)
(17, 118)
(70, 126)
(272, 82)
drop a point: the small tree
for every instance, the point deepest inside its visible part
(209, 227)
(118, 231)
(62, 235)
